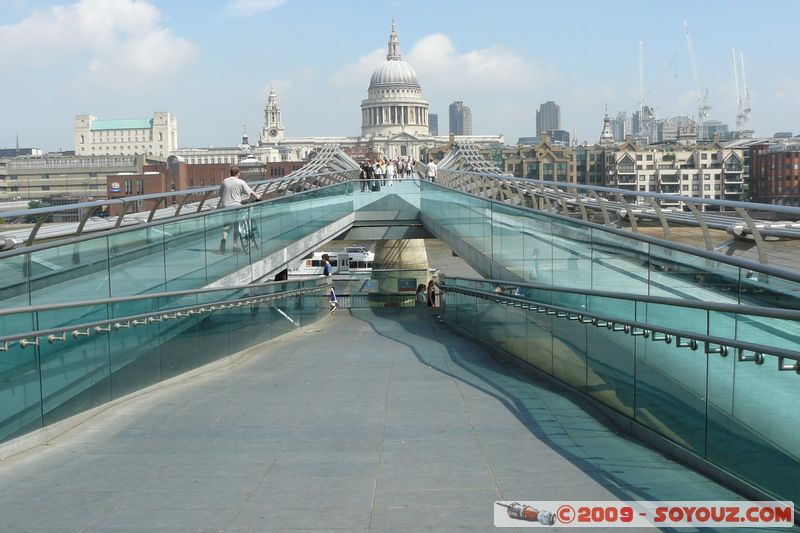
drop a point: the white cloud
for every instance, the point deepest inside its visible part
(116, 40)
(440, 66)
(486, 79)
(497, 66)
(252, 7)
(354, 75)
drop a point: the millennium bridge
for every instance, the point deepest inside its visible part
(590, 345)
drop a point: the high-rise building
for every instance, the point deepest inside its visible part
(548, 117)
(467, 121)
(460, 119)
(619, 125)
(433, 123)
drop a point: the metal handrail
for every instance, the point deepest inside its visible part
(656, 333)
(742, 309)
(117, 323)
(330, 164)
(141, 225)
(143, 197)
(466, 169)
(740, 262)
(755, 206)
(150, 296)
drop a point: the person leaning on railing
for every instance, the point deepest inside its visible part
(233, 191)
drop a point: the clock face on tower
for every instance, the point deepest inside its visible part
(273, 132)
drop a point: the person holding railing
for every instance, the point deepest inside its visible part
(233, 191)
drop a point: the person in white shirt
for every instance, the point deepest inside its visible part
(432, 169)
(391, 171)
(233, 191)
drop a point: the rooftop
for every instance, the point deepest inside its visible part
(122, 124)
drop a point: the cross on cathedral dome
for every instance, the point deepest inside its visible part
(394, 72)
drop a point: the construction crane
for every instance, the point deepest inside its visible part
(739, 115)
(702, 98)
(743, 97)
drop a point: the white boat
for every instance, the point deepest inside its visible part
(352, 259)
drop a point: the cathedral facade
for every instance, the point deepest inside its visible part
(394, 119)
(394, 123)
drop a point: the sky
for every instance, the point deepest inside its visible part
(210, 63)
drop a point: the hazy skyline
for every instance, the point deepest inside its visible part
(211, 63)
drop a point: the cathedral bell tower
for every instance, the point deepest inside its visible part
(272, 131)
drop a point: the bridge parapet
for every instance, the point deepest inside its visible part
(743, 228)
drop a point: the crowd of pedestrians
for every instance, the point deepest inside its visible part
(383, 172)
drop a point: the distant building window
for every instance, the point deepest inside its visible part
(45, 187)
(82, 139)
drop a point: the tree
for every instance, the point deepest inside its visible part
(33, 204)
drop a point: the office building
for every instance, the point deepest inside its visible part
(156, 136)
(619, 126)
(548, 118)
(460, 119)
(774, 174)
(44, 177)
(433, 124)
(18, 152)
(560, 137)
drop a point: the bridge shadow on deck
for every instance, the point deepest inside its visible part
(578, 436)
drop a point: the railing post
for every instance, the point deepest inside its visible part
(661, 217)
(39, 221)
(121, 216)
(631, 216)
(203, 200)
(703, 226)
(153, 210)
(760, 248)
(602, 203)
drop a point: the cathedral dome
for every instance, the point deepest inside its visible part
(394, 103)
(394, 72)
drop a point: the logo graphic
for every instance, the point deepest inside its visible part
(517, 511)
(643, 513)
(114, 187)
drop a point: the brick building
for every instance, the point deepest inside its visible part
(177, 175)
(775, 173)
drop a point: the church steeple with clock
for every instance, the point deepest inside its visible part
(272, 131)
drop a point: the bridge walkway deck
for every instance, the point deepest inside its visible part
(373, 420)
